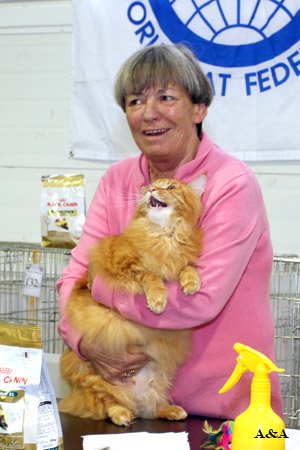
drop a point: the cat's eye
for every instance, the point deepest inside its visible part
(170, 187)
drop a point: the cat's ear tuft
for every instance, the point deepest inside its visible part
(198, 185)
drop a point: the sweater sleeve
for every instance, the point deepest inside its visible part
(233, 222)
(95, 228)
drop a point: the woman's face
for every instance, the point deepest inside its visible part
(163, 122)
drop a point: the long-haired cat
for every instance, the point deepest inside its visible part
(162, 242)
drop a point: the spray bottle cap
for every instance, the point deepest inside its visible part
(250, 359)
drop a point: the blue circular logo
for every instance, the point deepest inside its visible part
(230, 34)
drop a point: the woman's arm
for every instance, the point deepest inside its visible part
(95, 227)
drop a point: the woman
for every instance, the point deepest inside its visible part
(165, 97)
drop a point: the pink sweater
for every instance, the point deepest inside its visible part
(235, 265)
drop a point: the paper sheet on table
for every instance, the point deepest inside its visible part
(148, 441)
(137, 441)
(293, 441)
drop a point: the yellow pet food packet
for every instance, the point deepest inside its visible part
(62, 210)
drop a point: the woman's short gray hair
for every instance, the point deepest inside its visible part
(160, 65)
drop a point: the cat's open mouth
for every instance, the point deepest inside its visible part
(154, 203)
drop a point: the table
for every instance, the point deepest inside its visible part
(74, 427)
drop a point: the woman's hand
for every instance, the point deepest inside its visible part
(116, 369)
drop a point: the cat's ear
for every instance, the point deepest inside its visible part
(198, 185)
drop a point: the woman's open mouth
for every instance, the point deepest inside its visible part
(157, 132)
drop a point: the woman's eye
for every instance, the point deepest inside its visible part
(134, 101)
(167, 98)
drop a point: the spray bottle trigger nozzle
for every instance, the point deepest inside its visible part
(234, 377)
(252, 360)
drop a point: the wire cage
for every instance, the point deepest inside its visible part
(43, 311)
(285, 297)
(19, 308)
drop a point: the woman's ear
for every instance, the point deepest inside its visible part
(200, 112)
(198, 185)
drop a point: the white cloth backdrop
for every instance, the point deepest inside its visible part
(249, 50)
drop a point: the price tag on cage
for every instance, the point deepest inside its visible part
(33, 280)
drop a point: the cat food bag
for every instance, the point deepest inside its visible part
(62, 210)
(29, 417)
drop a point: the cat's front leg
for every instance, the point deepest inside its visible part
(119, 415)
(154, 290)
(171, 412)
(189, 280)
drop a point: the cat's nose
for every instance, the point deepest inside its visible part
(152, 189)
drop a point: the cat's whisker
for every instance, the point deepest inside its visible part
(130, 203)
(130, 193)
(132, 199)
(133, 196)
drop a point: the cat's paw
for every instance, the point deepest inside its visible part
(171, 412)
(157, 303)
(122, 416)
(189, 280)
(191, 286)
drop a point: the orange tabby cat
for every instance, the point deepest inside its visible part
(162, 242)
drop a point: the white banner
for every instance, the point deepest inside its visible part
(249, 49)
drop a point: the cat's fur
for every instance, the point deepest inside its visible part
(162, 242)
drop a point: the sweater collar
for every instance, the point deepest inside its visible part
(185, 173)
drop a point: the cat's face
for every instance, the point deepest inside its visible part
(167, 198)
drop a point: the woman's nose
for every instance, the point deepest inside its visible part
(150, 111)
